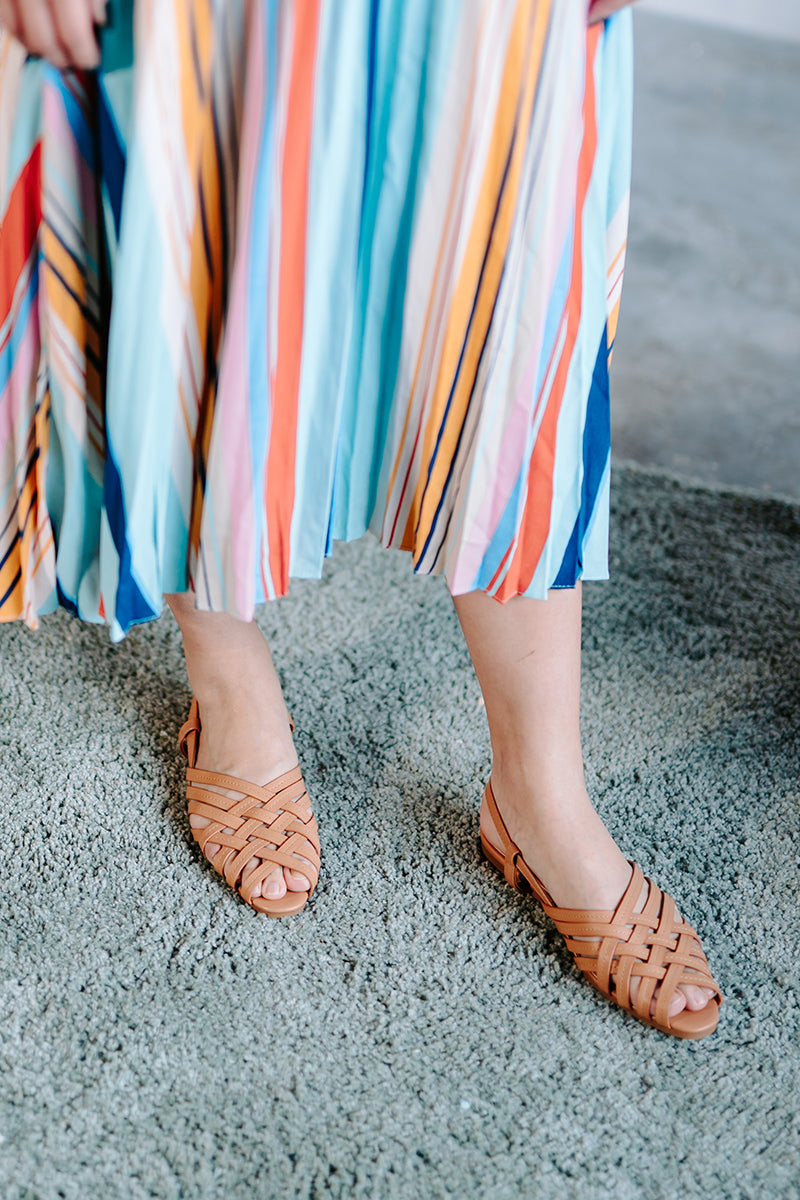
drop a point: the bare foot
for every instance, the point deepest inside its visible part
(245, 726)
(234, 741)
(569, 848)
(527, 655)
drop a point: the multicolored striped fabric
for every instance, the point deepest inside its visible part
(294, 268)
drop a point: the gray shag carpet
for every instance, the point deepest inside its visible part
(419, 1031)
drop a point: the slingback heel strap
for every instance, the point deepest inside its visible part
(615, 948)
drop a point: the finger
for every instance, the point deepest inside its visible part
(8, 19)
(597, 13)
(99, 11)
(32, 25)
(601, 9)
(74, 26)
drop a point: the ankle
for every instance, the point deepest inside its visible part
(247, 741)
(563, 839)
(258, 714)
(237, 677)
(538, 795)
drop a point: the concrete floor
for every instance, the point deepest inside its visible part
(768, 18)
(707, 364)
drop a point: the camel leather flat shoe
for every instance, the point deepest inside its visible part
(273, 823)
(652, 946)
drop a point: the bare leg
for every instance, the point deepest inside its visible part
(527, 655)
(245, 723)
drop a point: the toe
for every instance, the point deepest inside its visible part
(697, 998)
(299, 880)
(677, 1004)
(274, 886)
(211, 848)
(295, 881)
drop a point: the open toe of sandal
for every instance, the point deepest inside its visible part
(616, 949)
(272, 823)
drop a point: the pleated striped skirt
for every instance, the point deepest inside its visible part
(283, 271)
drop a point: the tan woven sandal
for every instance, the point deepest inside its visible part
(652, 946)
(273, 823)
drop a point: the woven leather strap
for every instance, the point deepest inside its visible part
(654, 946)
(273, 823)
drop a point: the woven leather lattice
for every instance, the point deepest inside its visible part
(273, 824)
(614, 949)
(653, 946)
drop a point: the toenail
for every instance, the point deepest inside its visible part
(273, 888)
